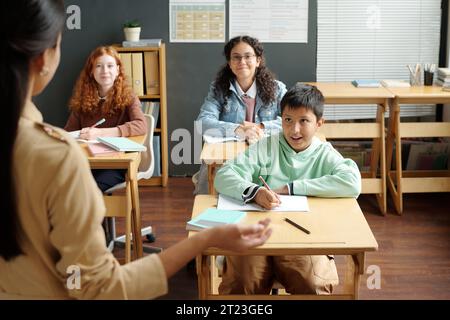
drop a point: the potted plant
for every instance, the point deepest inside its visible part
(132, 30)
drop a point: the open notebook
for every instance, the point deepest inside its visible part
(288, 203)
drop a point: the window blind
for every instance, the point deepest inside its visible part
(375, 39)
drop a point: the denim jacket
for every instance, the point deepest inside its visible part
(223, 118)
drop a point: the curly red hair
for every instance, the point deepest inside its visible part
(85, 98)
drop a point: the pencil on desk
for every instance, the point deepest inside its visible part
(297, 225)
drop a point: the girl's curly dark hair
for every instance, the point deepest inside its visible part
(265, 80)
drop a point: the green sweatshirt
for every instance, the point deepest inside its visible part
(319, 170)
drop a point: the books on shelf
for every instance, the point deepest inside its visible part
(122, 144)
(134, 71)
(369, 83)
(151, 62)
(102, 150)
(157, 155)
(213, 218)
(395, 83)
(151, 108)
(429, 156)
(142, 43)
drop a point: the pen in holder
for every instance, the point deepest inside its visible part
(428, 74)
(415, 78)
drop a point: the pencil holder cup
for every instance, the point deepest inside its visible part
(415, 79)
(428, 78)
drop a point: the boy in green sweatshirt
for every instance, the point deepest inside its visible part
(292, 162)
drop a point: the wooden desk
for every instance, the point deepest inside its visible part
(215, 154)
(345, 93)
(337, 227)
(401, 181)
(128, 204)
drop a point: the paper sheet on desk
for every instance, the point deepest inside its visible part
(74, 134)
(213, 139)
(288, 203)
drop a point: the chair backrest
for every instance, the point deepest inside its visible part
(147, 165)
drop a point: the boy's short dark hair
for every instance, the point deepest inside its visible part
(304, 96)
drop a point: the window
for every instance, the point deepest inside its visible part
(370, 39)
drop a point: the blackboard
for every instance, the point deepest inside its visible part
(190, 66)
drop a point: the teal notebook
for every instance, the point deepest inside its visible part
(122, 144)
(213, 218)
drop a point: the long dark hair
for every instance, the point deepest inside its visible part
(265, 80)
(29, 27)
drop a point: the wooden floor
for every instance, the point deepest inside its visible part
(413, 255)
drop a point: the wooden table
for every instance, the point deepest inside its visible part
(399, 180)
(337, 227)
(345, 93)
(215, 154)
(128, 205)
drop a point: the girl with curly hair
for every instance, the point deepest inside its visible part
(102, 92)
(243, 101)
(245, 97)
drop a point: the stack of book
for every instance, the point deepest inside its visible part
(443, 78)
(101, 150)
(122, 144)
(213, 217)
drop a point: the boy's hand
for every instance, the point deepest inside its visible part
(266, 199)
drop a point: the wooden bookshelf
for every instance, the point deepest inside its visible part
(160, 97)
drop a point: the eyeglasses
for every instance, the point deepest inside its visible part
(237, 58)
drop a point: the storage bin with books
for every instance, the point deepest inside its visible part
(145, 67)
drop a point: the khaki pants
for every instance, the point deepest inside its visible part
(298, 274)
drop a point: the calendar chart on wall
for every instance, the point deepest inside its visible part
(197, 21)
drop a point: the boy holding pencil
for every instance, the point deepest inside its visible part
(293, 162)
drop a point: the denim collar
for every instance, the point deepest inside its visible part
(251, 92)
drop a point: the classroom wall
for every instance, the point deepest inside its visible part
(190, 66)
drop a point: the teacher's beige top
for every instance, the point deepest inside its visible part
(60, 211)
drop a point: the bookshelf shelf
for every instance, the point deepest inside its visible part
(146, 69)
(150, 96)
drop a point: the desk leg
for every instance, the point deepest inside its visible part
(355, 268)
(211, 174)
(128, 222)
(378, 158)
(202, 276)
(136, 213)
(394, 139)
